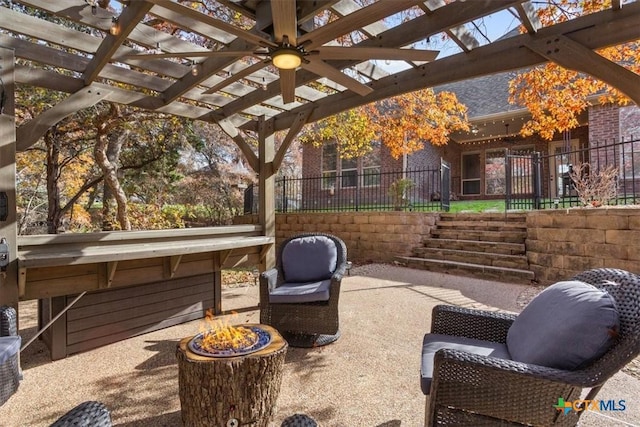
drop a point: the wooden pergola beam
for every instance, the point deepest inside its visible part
(29, 133)
(112, 42)
(246, 149)
(572, 55)
(301, 120)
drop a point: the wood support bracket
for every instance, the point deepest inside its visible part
(574, 56)
(174, 263)
(22, 281)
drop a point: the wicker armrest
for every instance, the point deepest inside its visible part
(461, 380)
(269, 278)
(8, 321)
(91, 413)
(471, 323)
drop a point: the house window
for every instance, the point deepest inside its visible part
(347, 172)
(494, 173)
(371, 166)
(329, 166)
(471, 173)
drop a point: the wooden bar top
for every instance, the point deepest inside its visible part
(73, 249)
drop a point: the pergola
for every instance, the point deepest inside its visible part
(238, 82)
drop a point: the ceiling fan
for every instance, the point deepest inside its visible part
(287, 52)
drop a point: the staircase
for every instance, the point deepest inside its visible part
(487, 246)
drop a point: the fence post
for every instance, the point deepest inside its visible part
(509, 176)
(284, 194)
(537, 181)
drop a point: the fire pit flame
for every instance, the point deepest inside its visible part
(217, 338)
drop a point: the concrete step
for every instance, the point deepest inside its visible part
(483, 225)
(487, 236)
(473, 257)
(477, 246)
(500, 274)
(510, 218)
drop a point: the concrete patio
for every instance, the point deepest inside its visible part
(370, 377)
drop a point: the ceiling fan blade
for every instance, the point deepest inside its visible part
(195, 54)
(285, 22)
(237, 76)
(365, 53)
(323, 69)
(288, 85)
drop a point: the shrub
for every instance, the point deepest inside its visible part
(594, 188)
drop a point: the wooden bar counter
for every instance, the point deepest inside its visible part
(136, 281)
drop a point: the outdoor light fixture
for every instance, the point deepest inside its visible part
(264, 84)
(286, 58)
(115, 26)
(195, 69)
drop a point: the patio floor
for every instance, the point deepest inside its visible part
(369, 377)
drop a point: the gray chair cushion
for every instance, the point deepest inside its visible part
(300, 292)
(434, 342)
(566, 326)
(309, 259)
(9, 347)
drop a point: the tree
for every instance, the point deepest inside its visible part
(406, 122)
(556, 96)
(403, 123)
(214, 174)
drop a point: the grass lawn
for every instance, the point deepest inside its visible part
(477, 206)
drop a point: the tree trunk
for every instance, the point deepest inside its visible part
(54, 214)
(214, 391)
(104, 147)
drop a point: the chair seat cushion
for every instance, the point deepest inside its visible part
(9, 347)
(434, 342)
(567, 326)
(300, 292)
(309, 259)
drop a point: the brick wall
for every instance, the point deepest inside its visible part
(562, 243)
(369, 236)
(604, 124)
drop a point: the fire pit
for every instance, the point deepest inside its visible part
(234, 341)
(230, 375)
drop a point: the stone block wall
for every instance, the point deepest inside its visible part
(369, 236)
(562, 243)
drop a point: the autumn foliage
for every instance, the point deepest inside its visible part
(556, 96)
(403, 123)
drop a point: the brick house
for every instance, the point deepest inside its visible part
(477, 157)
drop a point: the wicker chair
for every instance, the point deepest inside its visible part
(9, 352)
(474, 390)
(86, 414)
(300, 296)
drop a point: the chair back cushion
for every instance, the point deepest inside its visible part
(309, 259)
(567, 326)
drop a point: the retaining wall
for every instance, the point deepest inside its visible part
(369, 236)
(562, 243)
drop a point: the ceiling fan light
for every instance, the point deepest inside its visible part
(287, 58)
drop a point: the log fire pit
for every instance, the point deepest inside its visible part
(230, 376)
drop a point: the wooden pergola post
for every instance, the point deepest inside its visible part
(8, 226)
(266, 185)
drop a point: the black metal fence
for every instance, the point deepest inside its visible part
(408, 190)
(536, 181)
(532, 181)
